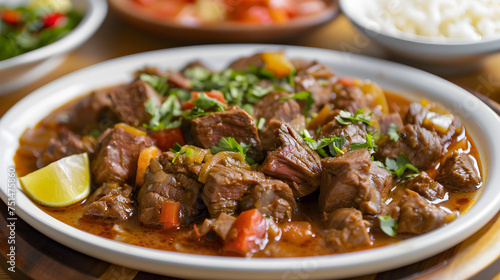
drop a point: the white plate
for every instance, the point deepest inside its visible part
(482, 124)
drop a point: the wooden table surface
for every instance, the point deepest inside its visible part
(477, 257)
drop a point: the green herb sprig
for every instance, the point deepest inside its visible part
(230, 144)
(334, 144)
(168, 115)
(347, 118)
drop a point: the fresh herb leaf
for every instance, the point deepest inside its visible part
(165, 116)
(378, 163)
(334, 144)
(280, 88)
(204, 106)
(182, 94)
(156, 82)
(388, 225)
(177, 150)
(393, 133)
(260, 123)
(230, 144)
(369, 144)
(303, 95)
(346, 118)
(400, 165)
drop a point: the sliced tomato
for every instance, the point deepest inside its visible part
(166, 138)
(170, 214)
(215, 94)
(246, 235)
(11, 16)
(54, 19)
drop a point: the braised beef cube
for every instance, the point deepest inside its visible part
(319, 71)
(242, 64)
(63, 144)
(236, 123)
(111, 203)
(425, 186)
(345, 183)
(116, 157)
(180, 165)
(387, 149)
(386, 120)
(128, 102)
(417, 215)
(160, 186)
(460, 172)
(220, 225)
(319, 91)
(226, 186)
(381, 180)
(293, 162)
(422, 147)
(349, 98)
(91, 110)
(275, 112)
(353, 133)
(346, 230)
(416, 114)
(271, 197)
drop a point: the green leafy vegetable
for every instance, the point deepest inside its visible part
(303, 95)
(393, 132)
(346, 118)
(369, 144)
(165, 116)
(204, 106)
(230, 144)
(334, 144)
(156, 82)
(388, 225)
(177, 150)
(400, 165)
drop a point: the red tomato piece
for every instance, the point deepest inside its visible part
(54, 20)
(11, 16)
(166, 138)
(215, 94)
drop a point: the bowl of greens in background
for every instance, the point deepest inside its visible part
(35, 33)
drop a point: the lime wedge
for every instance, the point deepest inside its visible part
(61, 183)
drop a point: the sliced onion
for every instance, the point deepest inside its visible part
(226, 158)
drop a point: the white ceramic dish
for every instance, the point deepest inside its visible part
(483, 125)
(24, 69)
(441, 54)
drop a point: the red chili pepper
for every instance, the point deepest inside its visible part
(54, 19)
(11, 16)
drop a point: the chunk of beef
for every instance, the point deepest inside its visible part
(347, 230)
(320, 92)
(353, 133)
(220, 225)
(91, 110)
(386, 120)
(417, 215)
(349, 98)
(381, 180)
(293, 162)
(63, 144)
(174, 79)
(242, 64)
(111, 202)
(460, 172)
(236, 123)
(416, 114)
(425, 186)
(128, 102)
(345, 183)
(161, 186)
(229, 189)
(275, 111)
(116, 156)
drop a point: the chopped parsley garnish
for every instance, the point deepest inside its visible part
(346, 118)
(260, 123)
(165, 116)
(303, 95)
(388, 225)
(334, 144)
(204, 106)
(230, 144)
(400, 165)
(159, 83)
(369, 144)
(393, 132)
(177, 150)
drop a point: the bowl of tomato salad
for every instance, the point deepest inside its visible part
(35, 34)
(226, 20)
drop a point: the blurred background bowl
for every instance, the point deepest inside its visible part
(224, 32)
(26, 68)
(447, 56)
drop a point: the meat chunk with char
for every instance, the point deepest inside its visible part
(235, 122)
(459, 172)
(275, 112)
(386, 120)
(63, 144)
(112, 202)
(425, 186)
(416, 114)
(244, 63)
(345, 183)
(161, 186)
(346, 230)
(381, 180)
(293, 162)
(349, 98)
(128, 102)
(116, 157)
(92, 110)
(320, 92)
(232, 189)
(353, 133)
(417, 215)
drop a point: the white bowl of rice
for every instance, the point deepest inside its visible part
(444, 35)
